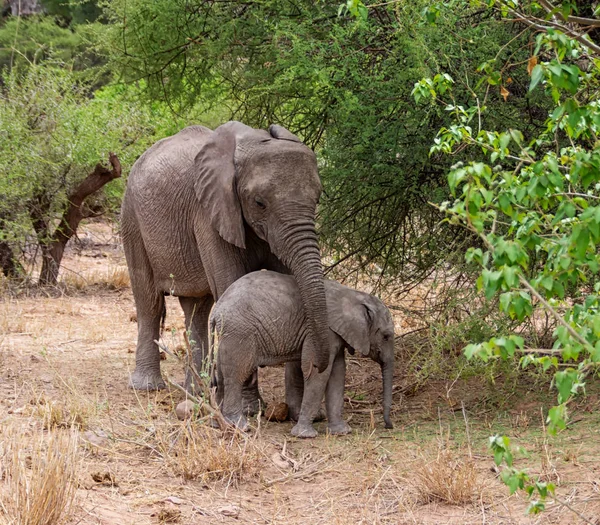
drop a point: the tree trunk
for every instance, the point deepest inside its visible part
(54, 248)
(25, 7)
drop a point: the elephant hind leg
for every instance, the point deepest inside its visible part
(149, 304)
(252, 400)
(231, 385)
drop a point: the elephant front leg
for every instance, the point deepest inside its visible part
(294, 389)
(334, 396)
(196, 321)
(314, 389)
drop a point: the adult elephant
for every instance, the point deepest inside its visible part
(203, 208)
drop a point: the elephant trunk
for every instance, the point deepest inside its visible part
(298, 249)
(387, 374)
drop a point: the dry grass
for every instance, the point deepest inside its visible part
(449, 477)
(11, 318)
(55, 414)
(198, 452)
(114, 278)
(40, 481)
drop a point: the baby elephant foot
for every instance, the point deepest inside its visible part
(144, 380)
(238, 421)
(339, 429)
(304, 430)
(253, 406)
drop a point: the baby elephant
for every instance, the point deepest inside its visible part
(260, 321)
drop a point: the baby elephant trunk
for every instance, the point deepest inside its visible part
(387, 374)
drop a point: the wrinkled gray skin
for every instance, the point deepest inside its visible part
(203, 208)
(260, 321)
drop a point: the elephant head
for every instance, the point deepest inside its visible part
(366, 326)
(269, 182)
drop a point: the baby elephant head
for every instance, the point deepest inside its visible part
(366, 326)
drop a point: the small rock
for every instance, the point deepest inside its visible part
(163, 355)
(185, 409)
(46, 378)
(35, 358)
(104, 478)
(174, 499)
(230, 510)
(96, 437)
(278, 412)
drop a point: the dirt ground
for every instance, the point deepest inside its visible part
(65, 360)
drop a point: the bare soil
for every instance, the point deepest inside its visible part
(67, 355)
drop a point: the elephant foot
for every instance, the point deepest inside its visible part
(339, 429)
(304, 430)
(238, 421)
(144, 380)
(253, 405)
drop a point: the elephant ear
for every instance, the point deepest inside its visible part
(215, 183)
(352, 321)
(279, 132)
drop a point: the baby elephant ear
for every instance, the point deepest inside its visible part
(215, 183)
(351, 320)
(279, 132)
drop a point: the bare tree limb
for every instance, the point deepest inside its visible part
(53, 250)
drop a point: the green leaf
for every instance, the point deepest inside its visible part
(536, 75)
(582, 243)
(547, 282)
(511, 279)
(565, 381)
(516, 135)
(557, 418)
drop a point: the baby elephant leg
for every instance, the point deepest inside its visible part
(252, 400)
(232, 408)
(294, 390)
(334, 396)
(314, 389)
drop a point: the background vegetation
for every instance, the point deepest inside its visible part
(442, 129)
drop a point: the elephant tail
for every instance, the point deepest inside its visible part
(163, 317)
(211, 352)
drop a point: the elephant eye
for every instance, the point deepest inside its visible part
(260, 203)
(386, 337)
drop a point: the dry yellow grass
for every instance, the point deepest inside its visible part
(40, 480)
(62, 415)
(448, 477)
(114, 278)
(198, 452)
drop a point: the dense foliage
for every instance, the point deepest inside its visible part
(52, 136)
(343, 84)
(533, 201)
